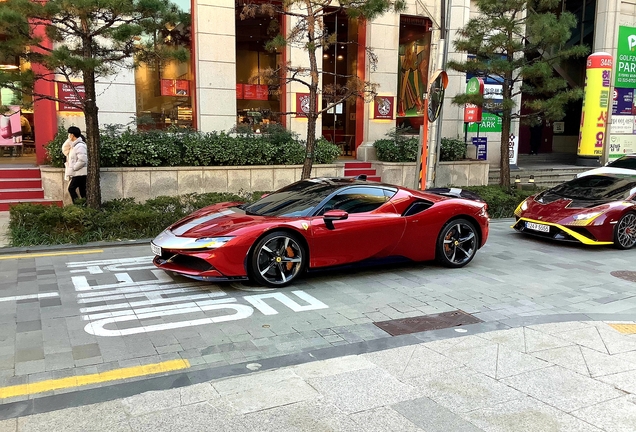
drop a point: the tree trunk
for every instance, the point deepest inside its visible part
(312, 115)
(93, 189)
(504, 164)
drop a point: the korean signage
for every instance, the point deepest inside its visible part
(513, 149)
(383, 108)
(473, 113)
(595, 104)
(172, 87)
(626, 56)
(623, 102)
(482, 147)
(254, 91)
(70, 93)
(620, 145)
(622, 124)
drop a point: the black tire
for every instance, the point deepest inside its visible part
(277, 259)
(625, 231)
(457, 243)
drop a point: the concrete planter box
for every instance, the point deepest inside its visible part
(458, 173)
(145, 183)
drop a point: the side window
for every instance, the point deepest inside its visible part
(356, 200)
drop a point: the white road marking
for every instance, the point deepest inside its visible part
(163, 297)
(30, 296)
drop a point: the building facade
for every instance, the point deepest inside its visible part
(217, 90)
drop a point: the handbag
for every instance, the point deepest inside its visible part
(5, 127)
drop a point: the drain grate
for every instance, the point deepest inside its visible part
(427, 322)
(629, 276)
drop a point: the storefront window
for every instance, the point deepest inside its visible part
(339, 63)
(164, 88)
(257, 97)
(415, 41)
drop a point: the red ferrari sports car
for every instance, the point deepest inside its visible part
(594, 210)
(323, 222)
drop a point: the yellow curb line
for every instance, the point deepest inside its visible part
(48, 254)
(83, 380)
(624, 328)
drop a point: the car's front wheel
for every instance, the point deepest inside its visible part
(625, 231)
(277, 259)
(457, 243)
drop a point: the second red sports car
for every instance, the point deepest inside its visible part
(593, 210)
(320, 223)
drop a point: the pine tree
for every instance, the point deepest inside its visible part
(517, 42)
(89, 40)
(310, 34)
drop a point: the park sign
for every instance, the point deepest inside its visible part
(473, 113)
(626, 58)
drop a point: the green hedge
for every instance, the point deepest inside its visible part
(398, 146)
(120, 219)
(190, 148)
(452, 149)
(501, 202)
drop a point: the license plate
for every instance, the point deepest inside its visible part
(538, 227)
(155, 249)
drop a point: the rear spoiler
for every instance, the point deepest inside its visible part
(455, 193)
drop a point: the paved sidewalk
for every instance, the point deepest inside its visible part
(568, 376)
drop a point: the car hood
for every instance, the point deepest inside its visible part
(559, 211)
(214, 221)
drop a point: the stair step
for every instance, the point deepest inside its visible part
(20, 194)
(357, 165)
(18, 173)
(6, 204)
(20, 183)
(349, 172)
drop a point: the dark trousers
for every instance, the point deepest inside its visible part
(78, 182)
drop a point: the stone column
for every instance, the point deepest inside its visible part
(215, 53)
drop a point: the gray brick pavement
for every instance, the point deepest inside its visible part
(512, 276)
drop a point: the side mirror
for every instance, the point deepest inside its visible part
(334, 215)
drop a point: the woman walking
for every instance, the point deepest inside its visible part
(76, 163)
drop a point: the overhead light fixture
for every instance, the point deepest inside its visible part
(340, 57)
(325, 55)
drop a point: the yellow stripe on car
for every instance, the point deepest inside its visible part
(579, 237)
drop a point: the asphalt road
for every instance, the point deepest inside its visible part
(86, 312)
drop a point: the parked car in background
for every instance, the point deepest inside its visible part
(594, 210)
(321, 223)
(623, 165)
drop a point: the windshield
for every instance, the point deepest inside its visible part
(596, 188)
(624, 162)
(297, 199)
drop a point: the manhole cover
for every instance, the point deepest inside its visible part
(625, 275)
(427, 322)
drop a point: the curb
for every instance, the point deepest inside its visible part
(91, 245)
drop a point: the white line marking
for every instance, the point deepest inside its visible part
(32, 296)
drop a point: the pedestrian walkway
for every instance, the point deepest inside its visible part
(559, 376)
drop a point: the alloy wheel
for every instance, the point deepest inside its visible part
(459, 243)
(279, 260)
(626, 231)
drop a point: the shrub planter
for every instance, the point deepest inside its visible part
(457, 173)
(150, 182)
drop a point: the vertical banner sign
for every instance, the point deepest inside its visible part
(482, 147)
(595, 105)
(626, 55)
(473, 113)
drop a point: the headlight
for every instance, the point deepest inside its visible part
(212, 242)
(586, 216)
(524, 205)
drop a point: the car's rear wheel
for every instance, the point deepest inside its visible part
(457, 243)
(277, 259)
(625, 231)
